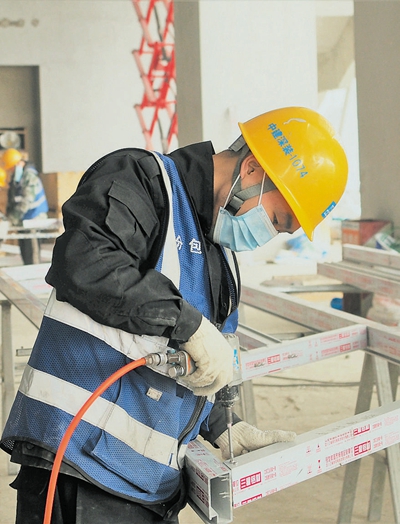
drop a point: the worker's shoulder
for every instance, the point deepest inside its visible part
(30, 170)
(123, 162)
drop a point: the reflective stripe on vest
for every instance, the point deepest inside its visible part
(133, 346)
(61, 394)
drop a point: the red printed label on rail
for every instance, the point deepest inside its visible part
(361, 429)
(250, 480)
(362, 448)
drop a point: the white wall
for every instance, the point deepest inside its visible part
(88, 77)
(256, 55)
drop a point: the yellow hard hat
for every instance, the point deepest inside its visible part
(299, 151)
(11, 157)
(3, 177)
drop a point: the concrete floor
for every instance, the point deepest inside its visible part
(287, 401)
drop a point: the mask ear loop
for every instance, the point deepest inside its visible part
(262, 188)
(230, 191)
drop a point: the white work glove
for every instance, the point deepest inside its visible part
(249, 438)
(213, 358)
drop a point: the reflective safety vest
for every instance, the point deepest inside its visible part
(39, 203)
(26, 196)
(132, 440)
(182, 259)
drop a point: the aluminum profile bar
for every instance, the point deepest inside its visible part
(300, 311)
(29, 305)
(304, 288)
(371, 256)
(366, 279)
(210, 488)
(279, 466)
(263, 472)
(286, 355)
(382, 340)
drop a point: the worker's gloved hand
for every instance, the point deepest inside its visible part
(213, 358)
(249, 438)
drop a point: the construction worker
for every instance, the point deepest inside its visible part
(146, 262)
(26, 196)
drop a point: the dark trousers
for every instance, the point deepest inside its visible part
(78, 502)
(26, 247)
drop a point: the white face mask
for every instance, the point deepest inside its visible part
(244, 232)
(18, 171)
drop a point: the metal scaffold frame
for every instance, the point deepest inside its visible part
(217, 488)
(155, 60)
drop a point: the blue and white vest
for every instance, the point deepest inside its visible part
(133, 438)
(39, 205)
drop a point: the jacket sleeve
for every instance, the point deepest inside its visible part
(103, 262)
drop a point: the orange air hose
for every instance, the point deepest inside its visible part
(72, 426)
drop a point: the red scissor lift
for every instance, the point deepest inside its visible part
(155, 60)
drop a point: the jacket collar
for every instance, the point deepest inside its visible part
(196, 169)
